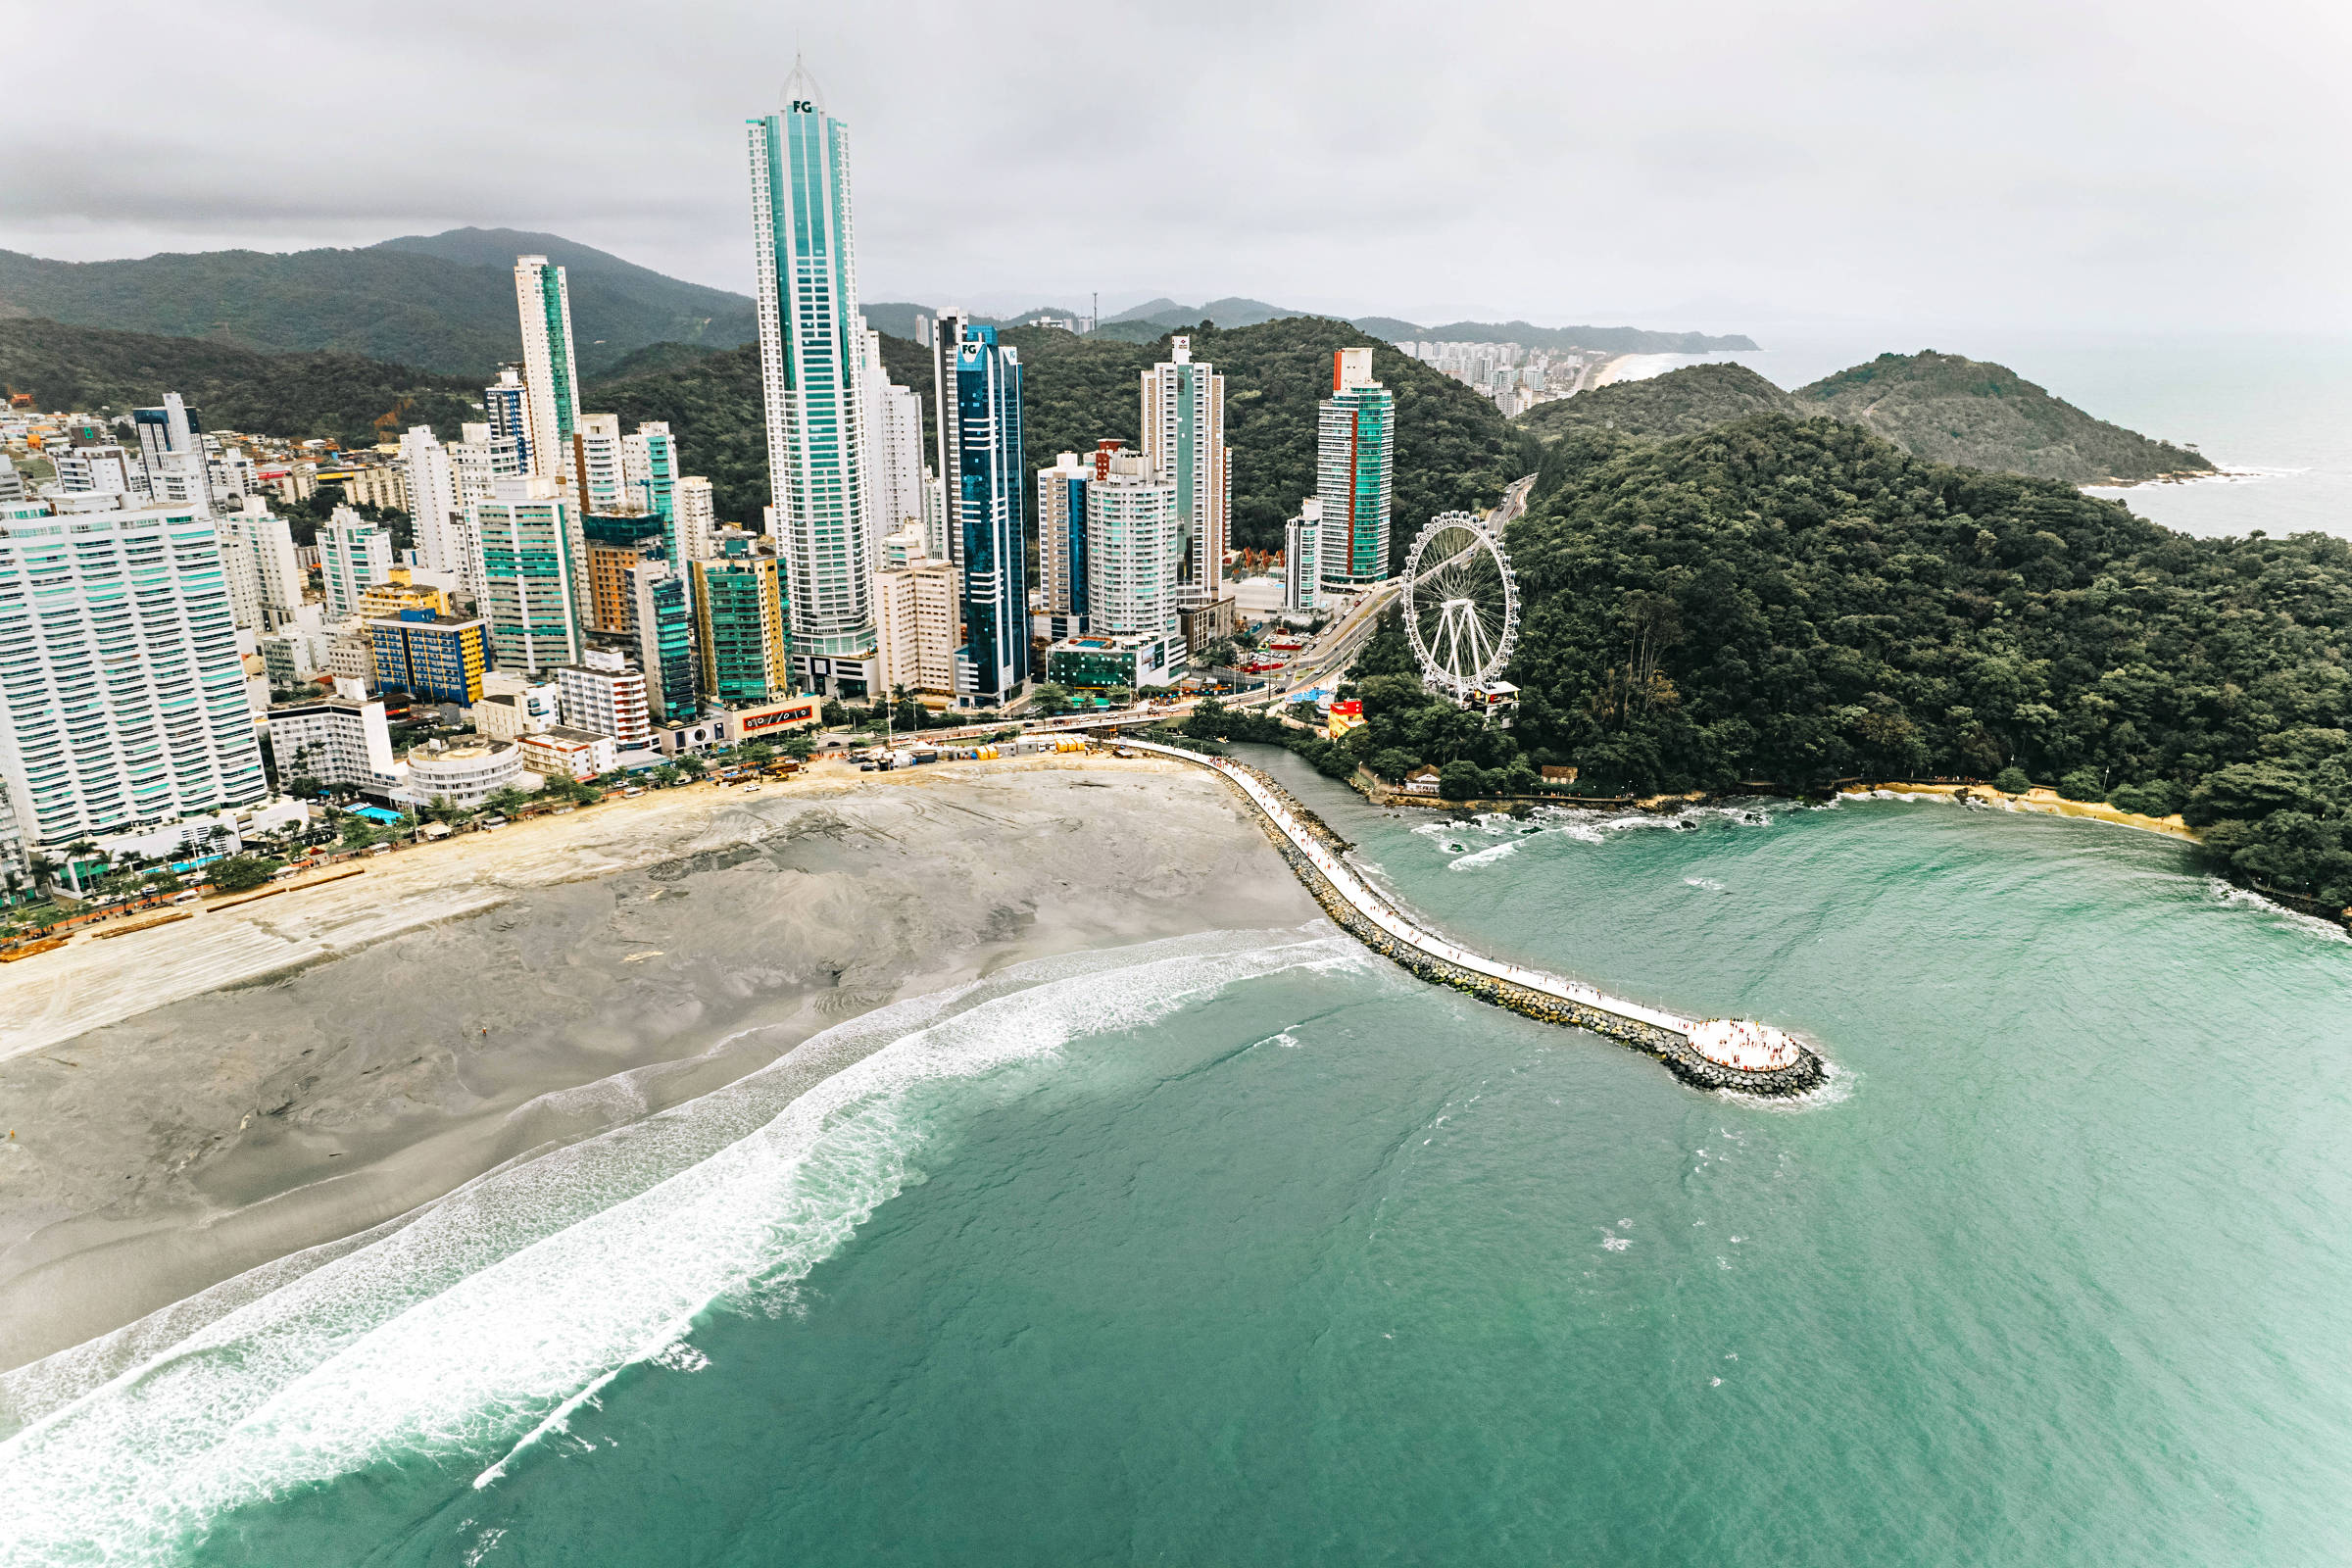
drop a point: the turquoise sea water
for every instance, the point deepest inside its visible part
(1250, 1249)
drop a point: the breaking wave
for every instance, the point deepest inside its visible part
(479, 1321)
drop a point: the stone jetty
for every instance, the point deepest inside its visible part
(1312, 850)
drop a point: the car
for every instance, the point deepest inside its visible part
(633, 790)
(865, 768)
(751, 789)
(494, 821)
(187, 896)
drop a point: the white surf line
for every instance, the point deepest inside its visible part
(1388, 918)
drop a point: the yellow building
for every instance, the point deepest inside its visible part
(398, 593)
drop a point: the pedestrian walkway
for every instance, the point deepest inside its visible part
(1373, 907)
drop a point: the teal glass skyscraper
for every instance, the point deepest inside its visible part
(810, 358)
(1356, 447)
(988, 499)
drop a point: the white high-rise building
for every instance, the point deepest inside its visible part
(649, 469)
(604, 696)
(811, 357)
(697, 522)
(1131, 523)
(894, 428)
(1302, 544)
(173, 457)
(550, 372)
(914, 609)
(257, 558)
(122, 698)
(600, 469)
(97, 469)
(1061, 542)
(1184, 437)
(1355, 452)
(434, 506)
(354, 555)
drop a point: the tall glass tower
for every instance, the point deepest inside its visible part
(1184, 438)
(1356, 447)
(812, 358)
(989, 496)
(552, 402)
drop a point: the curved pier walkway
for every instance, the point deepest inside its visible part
(1368, 915)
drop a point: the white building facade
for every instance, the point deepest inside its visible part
(549, 373)
(354, 555)
(121, 690)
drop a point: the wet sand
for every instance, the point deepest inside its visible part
(196, 1101)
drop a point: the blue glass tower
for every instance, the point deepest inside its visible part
(993, 664)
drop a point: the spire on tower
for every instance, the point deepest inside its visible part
(801, 88)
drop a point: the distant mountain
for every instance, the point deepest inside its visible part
(445, 302)
(1149, 310)
(1388, 329)
(1948, 409)
(1232, 311)
(1606, 339)
(338, 395)
(626, 301)
(1940, 407)
(1684, 402)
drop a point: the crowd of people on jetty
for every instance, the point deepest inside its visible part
(1744, 1044)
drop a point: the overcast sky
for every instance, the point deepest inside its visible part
(1722, 164)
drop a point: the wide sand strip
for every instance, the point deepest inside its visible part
(194, 1101)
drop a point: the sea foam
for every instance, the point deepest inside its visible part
(483, 1318)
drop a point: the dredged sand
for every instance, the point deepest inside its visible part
(192, 1101)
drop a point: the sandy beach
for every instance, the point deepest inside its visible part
(191, 1102)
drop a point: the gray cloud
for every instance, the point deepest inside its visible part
(2071, 162)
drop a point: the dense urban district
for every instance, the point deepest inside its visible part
(266, 599)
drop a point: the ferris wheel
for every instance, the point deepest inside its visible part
(1462, 603)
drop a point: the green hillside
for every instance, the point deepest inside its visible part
(1684, 402)
(1800, 601)
(396, 302)
(338, 395)
(1955, 410)
(1453, 449)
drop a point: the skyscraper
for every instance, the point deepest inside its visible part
(173, 456)
(528, 537)
(1184, 438)
(739, 634)
(354, 555)
(433, 503)
(894, 429)
(662, 615)
(506, 403)
(990, 501)
(550, 372)
(1356, 443)
(1062, 544)
(649, 469)
(811, 360)
(946, 338)
(598, 467)
(122, 699)
(1131, 526)
(694, 522)
(256, 558)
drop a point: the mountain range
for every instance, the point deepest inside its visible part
(446, 302)
(1943, 407)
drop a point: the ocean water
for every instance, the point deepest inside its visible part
(2275, 411)
(1249, 1249)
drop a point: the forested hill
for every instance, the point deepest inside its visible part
(1956, 410)
(1936, 405)
(1798, 601)
(338, 396)
(1453, 449)
(445, 302)
(1684, 402)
